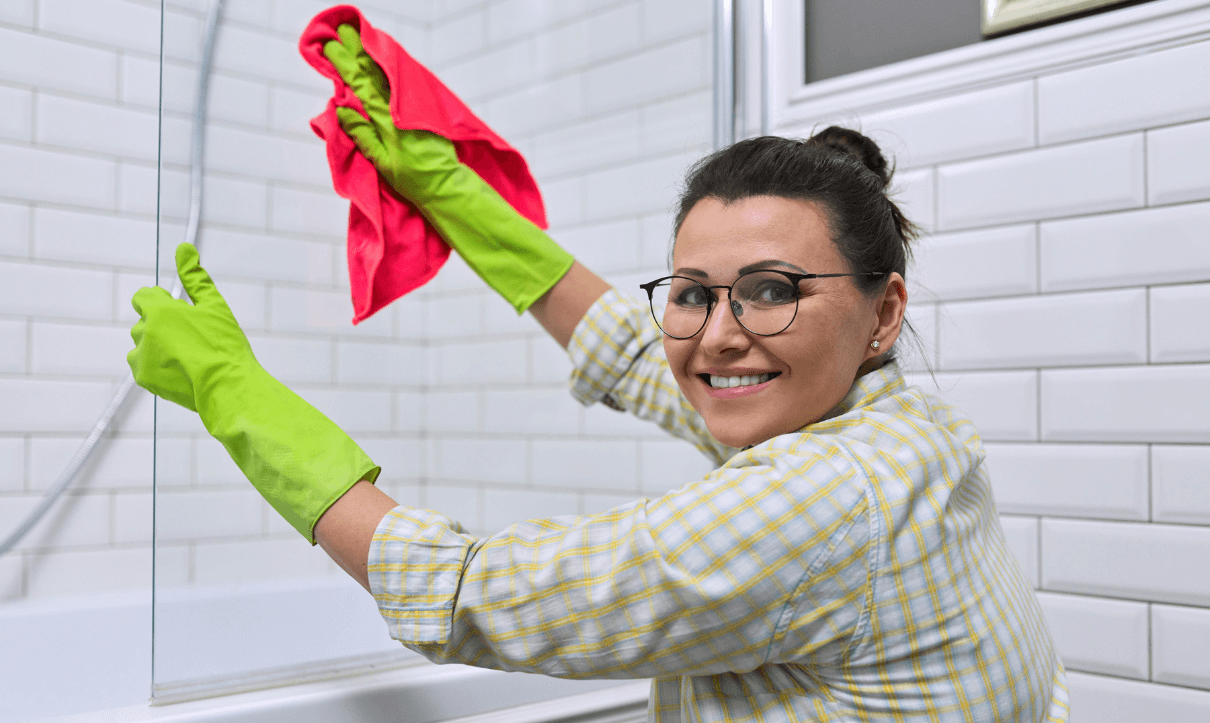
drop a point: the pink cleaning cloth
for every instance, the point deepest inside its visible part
(392, 249)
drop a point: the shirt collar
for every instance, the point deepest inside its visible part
(869, 388)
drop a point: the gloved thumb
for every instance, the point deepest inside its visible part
(194, 278)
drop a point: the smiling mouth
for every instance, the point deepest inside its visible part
(746, 380)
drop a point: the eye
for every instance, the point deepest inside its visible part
(691, 296)
(771, 292)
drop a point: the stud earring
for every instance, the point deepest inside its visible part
(874, 344)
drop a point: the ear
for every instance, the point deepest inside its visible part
(888, 317)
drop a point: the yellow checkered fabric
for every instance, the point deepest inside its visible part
(852, 571)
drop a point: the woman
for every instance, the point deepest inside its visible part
(844, 562)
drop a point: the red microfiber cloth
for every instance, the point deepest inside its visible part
(392, 249)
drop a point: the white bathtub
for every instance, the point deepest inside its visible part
(298, 651)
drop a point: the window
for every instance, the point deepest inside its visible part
(845, 36)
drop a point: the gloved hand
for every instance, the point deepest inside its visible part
(515, 257)
(198, 357)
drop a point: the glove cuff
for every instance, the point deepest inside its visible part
(515, 257)
(299, 460)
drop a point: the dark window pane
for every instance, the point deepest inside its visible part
(844, 36)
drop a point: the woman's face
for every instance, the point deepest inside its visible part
(813, 362)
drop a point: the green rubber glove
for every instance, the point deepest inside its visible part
(515, 257)
(197, 356)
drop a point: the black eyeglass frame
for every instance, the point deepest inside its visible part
(711, 300)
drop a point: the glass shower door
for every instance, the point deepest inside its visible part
(78, 148)
(242, 601)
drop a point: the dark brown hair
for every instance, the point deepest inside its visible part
(839, 169)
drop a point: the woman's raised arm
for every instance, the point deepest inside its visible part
(561, 308)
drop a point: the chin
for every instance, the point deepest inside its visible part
(738, 434)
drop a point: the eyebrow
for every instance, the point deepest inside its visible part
(770, 263)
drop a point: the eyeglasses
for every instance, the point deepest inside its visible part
(764, 302)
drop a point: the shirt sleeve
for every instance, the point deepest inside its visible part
(617, 354)
(701, 581)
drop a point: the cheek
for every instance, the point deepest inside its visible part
(825, 344)
(678, 352)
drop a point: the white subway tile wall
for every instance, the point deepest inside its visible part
(1058, 294)
(1176, 334)
(1181, 653)
(1146, 91)
(1048, 182)
(995, 262)
(1097, 635)
(1161, 245)
(1063, 284)
(610, 101)
(79, 90)
(1179, 489)
(1178, 163)
(1109, 698)
(1129, 560)
(955, 127)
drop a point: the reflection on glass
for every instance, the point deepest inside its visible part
(77, 236)
(241, 600)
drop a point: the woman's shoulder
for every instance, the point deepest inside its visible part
(886, 441)
(903, 442)
(915, 401)
(885, 411)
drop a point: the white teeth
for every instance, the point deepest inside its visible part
(747, 380)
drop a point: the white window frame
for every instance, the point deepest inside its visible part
(793, 106)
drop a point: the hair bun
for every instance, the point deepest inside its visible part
(851, 142)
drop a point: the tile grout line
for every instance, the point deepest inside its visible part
(1150, 483)
(1147, 325)
(1150, 642)
(1040, 520)
(27, 454)
(1037, 113)
(1146, 169)
(29, 348)
(1037, 257)
(1038, 403)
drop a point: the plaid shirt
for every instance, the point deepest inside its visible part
(853, 570)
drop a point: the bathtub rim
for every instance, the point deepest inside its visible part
(546, 699)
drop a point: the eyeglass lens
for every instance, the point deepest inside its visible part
(764, 302)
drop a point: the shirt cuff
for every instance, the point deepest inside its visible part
(415, 568)
(606, 343)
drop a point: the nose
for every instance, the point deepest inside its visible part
(723, 333)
